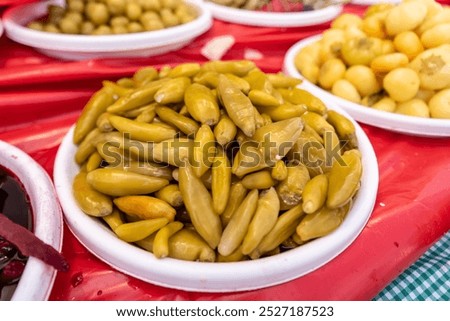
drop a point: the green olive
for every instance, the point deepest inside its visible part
(151, 21)
(36, 25)
(68, 25)
(154, 5)
(87, 28)
(135, 27)
(102, 30)
(119, 21)
(55, 13)
(76, 5)
(74, 16)
(170, 4)
(50, 27)
(133, 11)
(117, 30)
(98, 13)
(116, 7)
(168, 18)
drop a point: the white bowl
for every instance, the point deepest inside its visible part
(213, 277)
(274, 19)
(37, 279)
(417, 126)
(79, 47)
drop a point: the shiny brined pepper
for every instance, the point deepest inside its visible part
(137, 98)
(97, 105)
(320, 223)
(236, 229)
(136, 231)
(145, 207)
(199, 205)
(344, 179)
(171, 117)
(315, 193)
(238, 68)
(90, 200)
(204, 150)
(221, 181)
(202, 104)
(237, 195)
(189, 246)
(161, 241)
(263, 221)
(277, 139)
(116, 182)
(344, 127)
(284, 227)
(239, 107)
(172, 91)
(142, 131)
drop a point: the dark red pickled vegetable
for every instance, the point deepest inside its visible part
(17, 242)
(29, 245)
(12, 272)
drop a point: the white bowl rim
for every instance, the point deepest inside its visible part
(214, 277)
(274, 19)
(427, 127)
(37, 279)
(13, 20)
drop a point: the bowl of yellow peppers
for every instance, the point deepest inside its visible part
(214, 177)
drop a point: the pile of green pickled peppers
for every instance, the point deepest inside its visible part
(218, 162)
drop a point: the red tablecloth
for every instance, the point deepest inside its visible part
(40, 98)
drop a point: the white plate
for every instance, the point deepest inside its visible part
(38, 278)
(213, 277)
(417, 126)
(79, 47)
(274, 19)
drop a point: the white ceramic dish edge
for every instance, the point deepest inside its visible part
(371, 2)
(274, 19)
(426, 127)
(37, 280)
(213, 277)
(77, 47)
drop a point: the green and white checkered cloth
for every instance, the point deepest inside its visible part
(428, 279)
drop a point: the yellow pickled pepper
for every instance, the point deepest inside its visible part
(198, 203)
(202, 104)
(239, 107)
(221, 181)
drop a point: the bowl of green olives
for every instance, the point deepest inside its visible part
(87, 29)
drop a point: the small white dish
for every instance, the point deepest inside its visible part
(417, 126)
(274, 19)
(213, 277)
(80, 47)
(37, 279)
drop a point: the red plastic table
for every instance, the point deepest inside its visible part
(41, 97)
